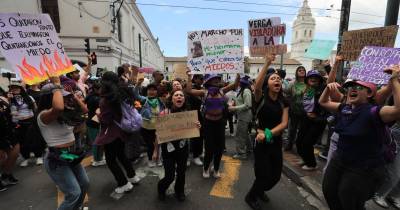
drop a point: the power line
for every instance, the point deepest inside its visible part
(238, 10)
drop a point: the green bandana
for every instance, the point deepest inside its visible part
(153, 102)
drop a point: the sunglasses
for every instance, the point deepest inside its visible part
(355, 87)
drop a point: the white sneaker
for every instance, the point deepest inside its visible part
(126, 188)
(24, 163)
(159, 163)
(216, 174)
(394, 201)
(39, 161)
(151, 164)
(300, 163)
(381, 201)
(308, 168)
(206, 174)
(197, 161)
(99, 163)
(134, 180)
(188, 162)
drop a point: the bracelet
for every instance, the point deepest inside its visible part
(268, 135)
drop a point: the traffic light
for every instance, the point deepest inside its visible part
(87, 46)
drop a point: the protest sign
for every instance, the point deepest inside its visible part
(371, 63)
(31, 45)
(264, 36)
(320, 49)
(215, 51)
(179, 71)
(354, 41)
(148, 70)
(175, 126)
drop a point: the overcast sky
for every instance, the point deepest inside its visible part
(171, 24)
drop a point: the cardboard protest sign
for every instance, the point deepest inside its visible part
(175, 126)
(320, 49)
(354, 41)
(31, 45)
(215, 51)
(179, 71)
(264, 36)
(372, 62)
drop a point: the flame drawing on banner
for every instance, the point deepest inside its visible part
(31, 75)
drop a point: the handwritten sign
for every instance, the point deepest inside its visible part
(354, 41)
(175, 126)
(31, 45)
(320, 49)
(215, 51)
(179, 71)
(372, 62)
(264, 36)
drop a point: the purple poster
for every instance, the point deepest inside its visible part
(371, 63)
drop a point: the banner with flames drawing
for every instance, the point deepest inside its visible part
(30, 44)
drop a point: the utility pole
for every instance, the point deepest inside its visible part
(392, 12)
(343, 27)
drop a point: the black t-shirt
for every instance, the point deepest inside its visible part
(270, 115)
(92, 102)
(35, 95)
(6, 126)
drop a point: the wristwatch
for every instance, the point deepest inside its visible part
(57, 87)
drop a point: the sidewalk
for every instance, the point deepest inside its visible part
(311, 181)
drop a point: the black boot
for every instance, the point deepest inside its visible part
(252, 202)
(180, 196)
(288, 147)
(264, 197)
(161, 194)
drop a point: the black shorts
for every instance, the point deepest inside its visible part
(8, 143)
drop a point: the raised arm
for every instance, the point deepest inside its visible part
(392, 113)
(57, 107)
(261, 77)
(333, 72)
(232, 86)
(189, 89)
(383, 94)
(325, 100)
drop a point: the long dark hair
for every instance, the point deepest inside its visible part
(45, 102)
(26, 99)
(170, 105)
(242, 88)
(297, 72)
(114, 91)
(281, 98)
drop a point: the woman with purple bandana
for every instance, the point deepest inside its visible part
(214, 108)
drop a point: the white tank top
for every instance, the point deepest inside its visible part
(55, 133)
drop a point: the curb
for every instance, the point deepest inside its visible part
(306, 182)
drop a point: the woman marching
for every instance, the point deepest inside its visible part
(313, 122)
(272, 120)
(174, 154)
(356, 168)
(62, 162)
(214, 108)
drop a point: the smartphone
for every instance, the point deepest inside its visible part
(94, 58)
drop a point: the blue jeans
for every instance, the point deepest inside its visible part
(71, 180)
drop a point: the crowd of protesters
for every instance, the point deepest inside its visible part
(67, 118)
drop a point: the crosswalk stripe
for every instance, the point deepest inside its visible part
(60, 196)
(223, 187)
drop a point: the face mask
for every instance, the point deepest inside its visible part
(213, 90)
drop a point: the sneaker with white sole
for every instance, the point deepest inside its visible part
(206, 173)
(151, 164)
(126, 188)
(39, 161)
(300, 163)
(2, 187)
(134, 180)
(197, 161)
(308, 168)
(381, 201)
(24, 163)
(159, 163)
(99, 163)
(216, 174)
(8, 179)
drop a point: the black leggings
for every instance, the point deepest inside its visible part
(267, 167)
(309, 132)
(113, 151)
(214, 137)
(149, 137)
(348, 188)
(174, 162)
(30, 139)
